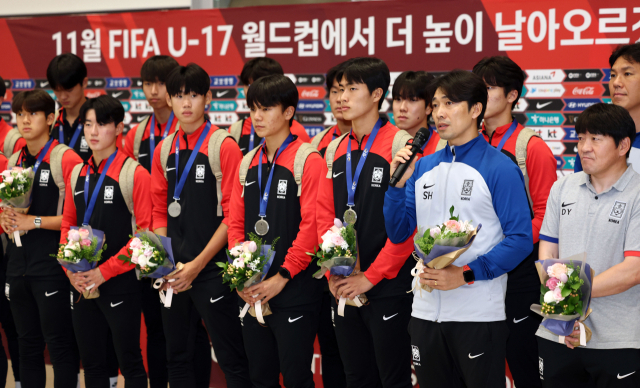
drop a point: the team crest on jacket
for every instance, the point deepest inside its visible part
(282, 188)
(200, 173)
(44, 177)
(467, 187)
(617, 211)
(377, 175)
(84, 146)
(108, 193)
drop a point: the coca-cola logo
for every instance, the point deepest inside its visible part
(585, 91)
(310, 93)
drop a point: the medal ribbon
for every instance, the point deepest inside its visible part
(152, 133)
(507, 135)
(76, 134)
(41, 155)
(181, 180)
(265, 197)
(352, 183)
(90, 205)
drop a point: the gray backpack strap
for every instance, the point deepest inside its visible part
(138, 138)
(75, 173)
(244, 166)
(521, 156)
(55, 121)
(55, 163)
(400, 140)
(215, 145)
(10, 141)
(315, 142)
(441, 144)
(236, 130)
(165, 151)
(330, 153)
(302, 154)
(126, 181)
(13, 159)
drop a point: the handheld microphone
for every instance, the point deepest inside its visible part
(422, 137)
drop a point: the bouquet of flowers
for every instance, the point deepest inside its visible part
(565, 295)
(15, 192)
(248, 264)
(151, 254)
(338, 254)
(439, 246)
(82, 252)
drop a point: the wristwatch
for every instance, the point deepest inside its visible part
(469, 276)
(284, 273)
(37, 222)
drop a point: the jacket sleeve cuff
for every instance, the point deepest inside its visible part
(293, 270)
(476, 267)
(373, 276)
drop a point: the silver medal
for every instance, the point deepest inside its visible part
(350, 216)
(262, 227)
(174, 209)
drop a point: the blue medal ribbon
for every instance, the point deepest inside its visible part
(90, 205)
(352, 183)
(265, 197)
(181, 180)
(152, 132)
(251, 137)
(43, 153)
(507, 135)
(76, 134)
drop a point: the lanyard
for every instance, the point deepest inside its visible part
(90, 205)
(181, 180)
(430, 135)
(353, 182)
(41, 156)
(152, 133)
(76, 134)
(507, 135)
(265, 196)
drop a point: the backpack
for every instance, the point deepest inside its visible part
(10, 141)
(315, 141)
(215, 144)
(125, 181)
(55, 163)
(137, 140)
(236, 130)
(400, 139)
(300, 159)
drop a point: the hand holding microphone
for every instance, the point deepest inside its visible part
(403, 163)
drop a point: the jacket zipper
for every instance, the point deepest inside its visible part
(445, 196)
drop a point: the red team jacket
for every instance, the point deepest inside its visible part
(4, 129)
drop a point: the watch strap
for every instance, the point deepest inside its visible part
(467, 273)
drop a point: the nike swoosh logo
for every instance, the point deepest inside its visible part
(215, 300)
(141, 155)
(385, 318)
(220, 94)
(172, 168)
(141, 119)
(114, 95)
(295, 319)
(426, 187)
(627, 375)
(243, 149)
(472, 357)
(50, 293)
(335, 175)
(43, 84)
(117, 304)
(249, 183)
(520, 320)
(567, 204)
(540, 106)
(79, 192)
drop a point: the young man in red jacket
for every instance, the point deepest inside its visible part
(243, 131)
(373, 339)
(185, 192)
(288, 206)
(101, 199)
(504, 79)
(36, 287)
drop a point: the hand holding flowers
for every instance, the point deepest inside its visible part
(15, 193)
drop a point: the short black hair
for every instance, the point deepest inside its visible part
(259, 67)
(3, 88)
(157, 68)
(370, 71)
(630, 52)
(108, 110)
(501, 71)
(273, 90)
(608, 120)
(335, 73)
(66, 71)
(188, 79)
(412, 84)
(462, 86)
(33, 101)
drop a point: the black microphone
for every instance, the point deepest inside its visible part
(422, 137)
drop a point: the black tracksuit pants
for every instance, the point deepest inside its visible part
(41, 312)
(374, 342)
(522, 347)
(332, 368)
(458, 354)
(220, 314)
(157, 345)
(284, 344)
(9, 328)
(92, 320)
